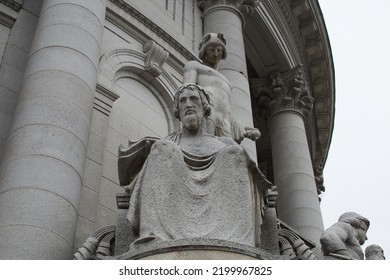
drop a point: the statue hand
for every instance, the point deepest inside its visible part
(252, 133)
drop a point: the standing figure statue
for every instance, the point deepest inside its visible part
(346, 237)
(211, 50)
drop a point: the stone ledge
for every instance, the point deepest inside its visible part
(197, 248)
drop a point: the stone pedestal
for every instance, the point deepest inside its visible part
(197, 249)
(41, 174)
(225, 17)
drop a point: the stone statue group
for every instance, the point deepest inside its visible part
(199, 182)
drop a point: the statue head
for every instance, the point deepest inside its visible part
(374, 252)
(191, 105)
(359, 223)
(214, 41)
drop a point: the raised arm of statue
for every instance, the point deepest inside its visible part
(191, 73)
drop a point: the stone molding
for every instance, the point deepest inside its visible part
(244, 6)
(288, 91)
(271, 196)
(154, 28)
(12, 4)
(7, 20)
(117, 59)
(104, 99)
(123, 200)
(126, 63)
(97, 245)
(198, 244)
(293, 246)
(155, 57)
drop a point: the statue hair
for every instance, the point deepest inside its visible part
(355, 220)
(204, 97)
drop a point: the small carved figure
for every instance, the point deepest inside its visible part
(344, 239)
(193, 184)
(374, 252)
(211, 50)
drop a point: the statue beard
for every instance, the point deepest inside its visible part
(192, 122)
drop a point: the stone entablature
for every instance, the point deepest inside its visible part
(307, 43)
(320, 65)
(149, 24)
(14, 5)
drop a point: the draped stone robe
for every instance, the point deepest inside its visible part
(177, 195)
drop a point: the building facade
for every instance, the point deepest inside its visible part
(79, 78)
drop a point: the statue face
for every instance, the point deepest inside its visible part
(190, 109)
(213, 55)
(361, 235)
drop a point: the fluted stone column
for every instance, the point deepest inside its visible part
(226, 16)
(298, 203)
(42, 169)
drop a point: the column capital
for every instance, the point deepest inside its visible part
(244, 6)
(287, 91)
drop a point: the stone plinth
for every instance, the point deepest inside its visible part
(197, 249)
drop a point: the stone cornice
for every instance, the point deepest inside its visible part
(12, 4)
(104, 98)
(154, 28)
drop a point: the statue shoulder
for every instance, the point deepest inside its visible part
(192, 65)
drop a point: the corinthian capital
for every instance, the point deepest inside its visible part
(245, 6)
(287, 91)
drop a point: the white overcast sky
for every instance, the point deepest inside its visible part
(357, 170)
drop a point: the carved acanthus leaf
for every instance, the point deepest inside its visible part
(286, 91)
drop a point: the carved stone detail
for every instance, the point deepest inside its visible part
(271, 196)
(12, 4)
(292, 245)
(154, 28)
(245, 6)
(155, 57)
(98, 245)
(318, 168)
(288, 90)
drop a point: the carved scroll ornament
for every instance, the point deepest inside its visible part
(155, 58)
